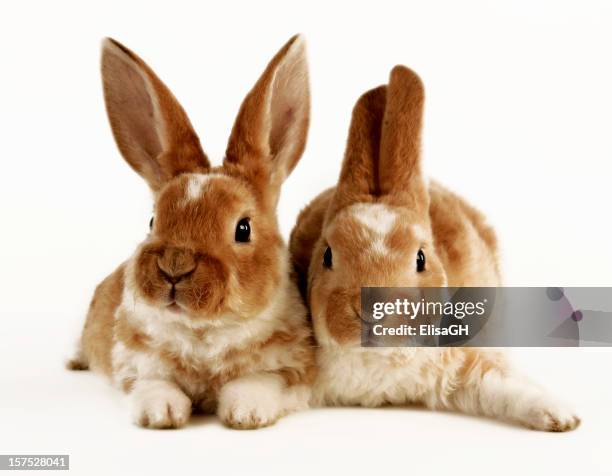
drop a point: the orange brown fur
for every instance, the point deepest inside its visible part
(372, 227)
(97, 337)
(382, 167)
(196, 317)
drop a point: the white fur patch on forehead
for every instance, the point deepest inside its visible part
(379, 246)
(196, 182)
(378, 217)
(419, 233)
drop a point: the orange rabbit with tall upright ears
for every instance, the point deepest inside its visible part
(204, 315)
(382, 225)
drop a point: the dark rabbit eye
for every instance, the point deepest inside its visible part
(327, 258)
(420, 261)
(151, 224)
(243, 231)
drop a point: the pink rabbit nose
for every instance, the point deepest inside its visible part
(176, 264)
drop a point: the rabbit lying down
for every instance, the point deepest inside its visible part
(382, 225)
(204, 315)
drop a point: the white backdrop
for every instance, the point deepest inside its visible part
(517, 120)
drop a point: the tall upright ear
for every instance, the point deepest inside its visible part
(400, 144)
(150, 127)
(272, 124)
(359, 174)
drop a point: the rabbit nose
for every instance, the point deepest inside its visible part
(176, 264)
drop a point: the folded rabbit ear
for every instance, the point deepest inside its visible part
(400, 175)
(150, 127)
(359, 174)
(269, 134)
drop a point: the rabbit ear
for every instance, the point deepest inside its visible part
(150, 127)
(400, 144)
(359, 175)
(270, 131)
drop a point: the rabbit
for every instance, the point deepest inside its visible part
(204, 316)
(382, 225)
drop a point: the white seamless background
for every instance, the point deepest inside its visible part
(517, 120)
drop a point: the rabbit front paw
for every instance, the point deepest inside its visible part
(159, 404)
(250, 402)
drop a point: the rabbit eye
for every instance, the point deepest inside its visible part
(420, 261)
(327, 258)
(243, 231)
(151, 223)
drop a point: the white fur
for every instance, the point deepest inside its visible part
(259, 400)
(517, 399)
(130, 365)
(195, 185)
(399, 376)
(174, 332)
(159, 404)
(377, 217)
(369, 377)
(420, 234)
(380, 247)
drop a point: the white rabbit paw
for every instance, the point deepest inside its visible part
(160, 405)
